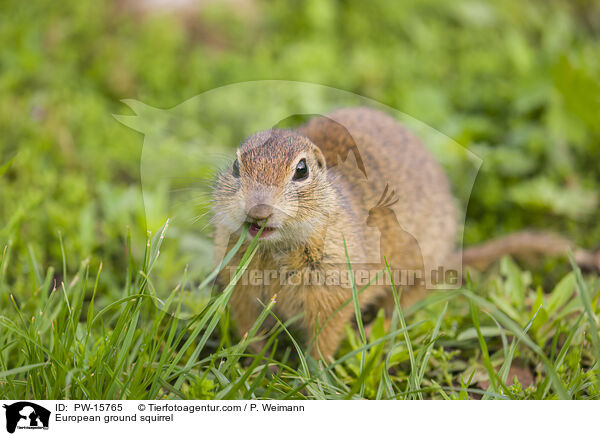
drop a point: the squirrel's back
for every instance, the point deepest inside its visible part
(388, 155)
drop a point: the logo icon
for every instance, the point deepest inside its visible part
(186, 145)
(26, 415)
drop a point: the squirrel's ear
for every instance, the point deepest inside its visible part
(320, 158)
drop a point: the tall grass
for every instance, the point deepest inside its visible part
(57, 343)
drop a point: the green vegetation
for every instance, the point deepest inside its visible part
(518, 83)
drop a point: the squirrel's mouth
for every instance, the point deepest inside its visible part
(255, 228)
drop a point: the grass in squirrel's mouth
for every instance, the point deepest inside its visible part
(255, 228)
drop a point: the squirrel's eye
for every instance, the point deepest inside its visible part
(301, 170)
(236, 169)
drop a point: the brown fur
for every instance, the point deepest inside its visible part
(328, 208)
(411, 208)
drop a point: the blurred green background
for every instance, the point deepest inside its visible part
(515, 82)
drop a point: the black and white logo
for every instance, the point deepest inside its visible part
(26, 415)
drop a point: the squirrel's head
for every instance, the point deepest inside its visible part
(278, 177)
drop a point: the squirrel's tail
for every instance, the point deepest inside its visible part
(527, 243)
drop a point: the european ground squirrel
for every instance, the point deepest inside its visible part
(393, 202)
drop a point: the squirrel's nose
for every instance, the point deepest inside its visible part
(260, 212)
